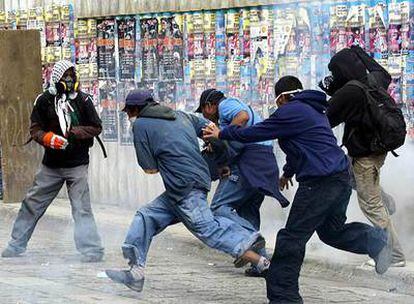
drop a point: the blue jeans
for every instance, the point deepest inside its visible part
(319, 205)
(241, 203)
(193, 211)
(238, 202)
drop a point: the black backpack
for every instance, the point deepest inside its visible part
(383, 116)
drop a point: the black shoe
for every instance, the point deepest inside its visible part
(9, 253)
(254, 273)
(125, 277)
(384, 258)
(259, 244)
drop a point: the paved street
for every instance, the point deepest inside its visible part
(180, 270)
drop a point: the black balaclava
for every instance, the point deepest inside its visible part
(344, 66)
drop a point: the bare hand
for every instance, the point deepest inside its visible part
(211, 131)
(284, 183)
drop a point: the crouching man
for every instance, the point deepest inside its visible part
(166, 142)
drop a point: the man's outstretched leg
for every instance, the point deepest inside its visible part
(241, 204)
(148, 222)
(315, 203)
(216, 232)
(359, 238)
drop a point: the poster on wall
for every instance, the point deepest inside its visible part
(106, 49)
(67, 32)
(167, 93)
(3, 20)
(11, 20)
(338, 36)
(125, 131)
(36, 21)
(320, 42)
(233, 52)
(210, 49)
(149, 45)
(170, 47)
(377, 24)
(304, 51)
(285, 42)
(196, 55)
(259, 50)
(355, 25)
(108, 110)
(395, 58)
(22, 18)
(221, 66)
(245, 63)
(126, 48)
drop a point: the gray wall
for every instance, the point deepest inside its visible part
(118, 180)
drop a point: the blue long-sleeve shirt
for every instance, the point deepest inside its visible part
(304, 135)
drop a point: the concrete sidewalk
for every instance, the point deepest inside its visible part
(340, 275)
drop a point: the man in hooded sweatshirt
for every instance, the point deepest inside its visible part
(166, 141)
(321, 168)
(347, 105)
(64, 122)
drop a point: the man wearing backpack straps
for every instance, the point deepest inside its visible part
(64, 122)
(349, 87)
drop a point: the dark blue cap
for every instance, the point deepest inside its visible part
(138, 98)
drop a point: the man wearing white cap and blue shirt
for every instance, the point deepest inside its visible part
(166, 142)
(64, 122)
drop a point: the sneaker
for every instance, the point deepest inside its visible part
(259, 244)
(10, 253)
(253, 272)
(125, 277)
(401, 263)
(92, 258)
(384, 258)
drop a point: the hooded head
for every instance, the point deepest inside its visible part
(63, 78)
(344, 66)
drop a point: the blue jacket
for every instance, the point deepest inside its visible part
(304, 134)
(258, 166)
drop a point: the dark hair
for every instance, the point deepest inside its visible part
(212, 96)
(287, 83)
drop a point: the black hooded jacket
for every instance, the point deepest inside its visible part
(347, 104)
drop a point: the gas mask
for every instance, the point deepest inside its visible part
(70, 83)
(67, 85)
(329, 85)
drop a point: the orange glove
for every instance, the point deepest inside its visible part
(53, 141)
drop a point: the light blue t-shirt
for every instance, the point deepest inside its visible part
(229, 108)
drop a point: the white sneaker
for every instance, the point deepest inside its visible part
(371, 263)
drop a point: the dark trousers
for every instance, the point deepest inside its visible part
(319, 205)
